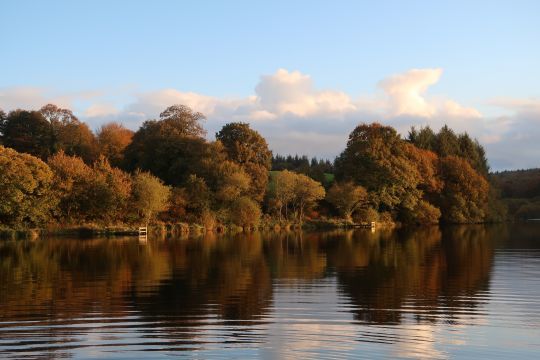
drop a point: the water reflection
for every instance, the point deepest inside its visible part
(275, 295)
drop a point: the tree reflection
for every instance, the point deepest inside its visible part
(426, 273)
(423, 273)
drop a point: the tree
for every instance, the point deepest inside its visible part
(148, 195)
(249, 149)
(426, 163)
(3, 118)
(447, 142)
(112, 139)
(376, 158)
(28, 132)
(112, 190)
(425, 213)
(465, 194)
(171, 148)
(198, 195)
(231, 182)
(98, 193)
(424, 138)
(245, 212)
(69, 134)
(26, 193)
(181, 120)
(282, 190)
(347, 198)
(73, 181)
(306, 194)
(473, 152)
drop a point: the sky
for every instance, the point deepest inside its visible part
(303, 73)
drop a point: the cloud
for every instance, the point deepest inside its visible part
(296, 116)
(292, 92)
(405, 92)
(516, 137)
(407, 96)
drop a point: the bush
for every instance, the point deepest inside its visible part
(245, 212)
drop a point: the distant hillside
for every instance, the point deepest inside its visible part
(520, 190)
(519, 183)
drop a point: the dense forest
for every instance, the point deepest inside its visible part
(520, 190)
(56, 172)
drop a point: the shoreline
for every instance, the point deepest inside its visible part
(90, 231)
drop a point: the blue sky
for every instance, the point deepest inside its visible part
(113, 54)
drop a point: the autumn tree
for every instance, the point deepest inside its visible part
(231, 182)
(112, 189)
(306, 194)
(149, 195)
(465, 194)
(249, 149)
(112, 139)
(347, 197)
(73, 181)
(447, 143)
(245, 212)
(98, 193)
(198, 195)
(26, 193)
(426, 163)
(376, 158)
(181, 120)
(282, 191)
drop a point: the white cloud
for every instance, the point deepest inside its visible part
(405, 92)
(294, 93)
(297, 117)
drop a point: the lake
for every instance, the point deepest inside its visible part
(453, 292)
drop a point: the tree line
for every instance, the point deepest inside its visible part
(56, 170)
(520, 190)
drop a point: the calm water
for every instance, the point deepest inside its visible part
(469, 292)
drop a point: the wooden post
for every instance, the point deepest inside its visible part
(143, 233)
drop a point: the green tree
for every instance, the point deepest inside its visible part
(249, 149)
(69, 134)
(26, 193)
(472, 151)
(347, 198)
(447, 142)
(3, 118)
(424, 138)
(28, 132)
(149, 195)
(171, 148)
